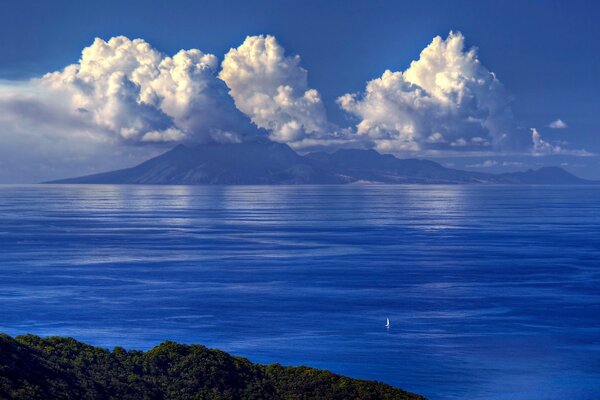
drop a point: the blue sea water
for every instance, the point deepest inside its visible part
(493, 291)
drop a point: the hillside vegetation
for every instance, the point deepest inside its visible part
(34, 368)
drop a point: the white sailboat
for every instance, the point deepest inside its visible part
(387, 323)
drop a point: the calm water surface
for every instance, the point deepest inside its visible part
(493, 291)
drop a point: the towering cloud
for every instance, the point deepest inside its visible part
(130, 89)
(123, 95)
(446, 100)
(103, 111)
(272, 89)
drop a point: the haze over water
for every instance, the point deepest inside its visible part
(493, 292)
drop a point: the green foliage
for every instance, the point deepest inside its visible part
(33, 368)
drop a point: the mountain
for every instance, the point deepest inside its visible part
(545, 175)
(262, 162)
(32, 368)
(370, 166)
(256, 162)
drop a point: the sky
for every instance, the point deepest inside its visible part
(493, 86)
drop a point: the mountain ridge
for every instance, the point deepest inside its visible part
(263, 162)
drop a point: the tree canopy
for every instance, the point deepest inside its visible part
(34, 368)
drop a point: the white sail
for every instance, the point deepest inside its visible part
(387, 323)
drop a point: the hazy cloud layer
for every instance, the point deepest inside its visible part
(41, 139)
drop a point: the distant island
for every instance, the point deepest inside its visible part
(33, 368)
(263, 162)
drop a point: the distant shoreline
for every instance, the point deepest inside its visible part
(270, 163)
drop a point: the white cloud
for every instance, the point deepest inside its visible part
(129, 89)
(435, 137)
(41, 138)
(447, 93)
(460, 142)
(558, 124)
(124, 99)
(272, 89)
(168, 135)
(512, 164)
(485, 164)
(541, 147)
(120, 97)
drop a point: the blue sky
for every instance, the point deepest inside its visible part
(546, 54)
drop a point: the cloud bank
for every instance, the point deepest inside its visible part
(126, 99)
(42, 138)
(111, 109)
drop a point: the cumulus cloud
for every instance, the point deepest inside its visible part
(512, 164)
(41, 138)
(120, 97)
(558, 124)
(485, 164)
(126, 100)
(445, 99)
(542, 147)
(129, 89)
(272, 89)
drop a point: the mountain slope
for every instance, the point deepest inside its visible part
(545, 175)
(257, 162)
(264, 162)
(369, 165)
(32, 368)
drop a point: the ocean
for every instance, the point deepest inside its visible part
(493, 292)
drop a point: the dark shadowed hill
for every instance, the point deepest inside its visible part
(32, 368)
(264, 162)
